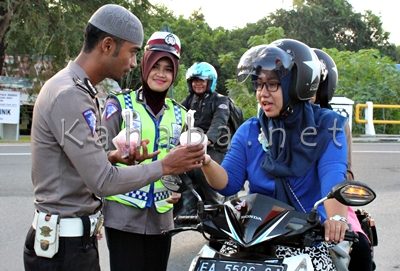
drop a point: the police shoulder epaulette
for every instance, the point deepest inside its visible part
(120, 91)
(178, 104)
(86, 86)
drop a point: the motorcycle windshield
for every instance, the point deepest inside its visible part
(255, 218)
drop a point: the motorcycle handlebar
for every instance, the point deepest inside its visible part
(187, 219)
(351, 236)
(348, 236)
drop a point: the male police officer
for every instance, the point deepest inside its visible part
(69, 165)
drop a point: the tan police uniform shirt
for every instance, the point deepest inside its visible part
(69, 165)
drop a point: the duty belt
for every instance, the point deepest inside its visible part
(73, 227)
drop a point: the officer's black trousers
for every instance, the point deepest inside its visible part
(137, 252)
(73, 254)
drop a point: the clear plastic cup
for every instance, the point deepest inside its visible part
(196, 137)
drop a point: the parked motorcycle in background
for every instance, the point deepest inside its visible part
(244, 233)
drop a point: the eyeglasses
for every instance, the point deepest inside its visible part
(270, 86)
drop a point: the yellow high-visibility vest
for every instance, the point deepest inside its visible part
(163, 135)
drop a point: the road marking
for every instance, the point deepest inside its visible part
(14, 144)
(376, 151)
(15, 154)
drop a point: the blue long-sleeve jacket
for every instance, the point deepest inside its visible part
(243, 162)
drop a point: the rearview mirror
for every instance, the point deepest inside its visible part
(173, 183)
(352, 194)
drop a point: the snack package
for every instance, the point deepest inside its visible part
(120, 141)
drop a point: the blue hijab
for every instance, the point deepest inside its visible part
(291, 153)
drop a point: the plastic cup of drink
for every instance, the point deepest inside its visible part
(196, 137)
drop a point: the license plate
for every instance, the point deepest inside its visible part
(208, 264)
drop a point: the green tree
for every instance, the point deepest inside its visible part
(366, 75)
(59, 34)
(331, 24)
(271, 34)
(8, 10)
(318, 23)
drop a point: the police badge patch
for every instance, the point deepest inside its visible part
(110, 110)
(223, 106)
(90, 118)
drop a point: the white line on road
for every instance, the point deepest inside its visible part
(376, 151)
(15, 154)
(14, 144)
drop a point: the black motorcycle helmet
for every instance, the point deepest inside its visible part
(329, 79)
(285, 57)
(263, 57)
(305, 71)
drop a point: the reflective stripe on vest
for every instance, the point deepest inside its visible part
(163, 135)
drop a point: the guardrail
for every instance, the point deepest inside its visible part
(369, 121)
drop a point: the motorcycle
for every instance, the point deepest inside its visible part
(244, 232)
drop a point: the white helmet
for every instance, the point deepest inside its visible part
(164, 41)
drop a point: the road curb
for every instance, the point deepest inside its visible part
(378, 139)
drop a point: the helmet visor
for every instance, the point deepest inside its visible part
(164, 48)
(199, 77)
(263, 57)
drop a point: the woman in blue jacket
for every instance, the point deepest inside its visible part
(293, 150)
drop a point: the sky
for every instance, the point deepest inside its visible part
(232, 14)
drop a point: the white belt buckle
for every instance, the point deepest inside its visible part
(96, 222)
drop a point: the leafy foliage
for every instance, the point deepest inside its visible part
(368, 76)
(357, 42)
(8, 10)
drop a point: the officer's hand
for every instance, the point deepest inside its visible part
(116, 156)
(182, 159)
(144, 154)
(174, 198)
(135, 154)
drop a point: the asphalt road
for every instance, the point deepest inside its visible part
(374, 163)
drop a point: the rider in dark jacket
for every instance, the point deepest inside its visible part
(212, 115)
